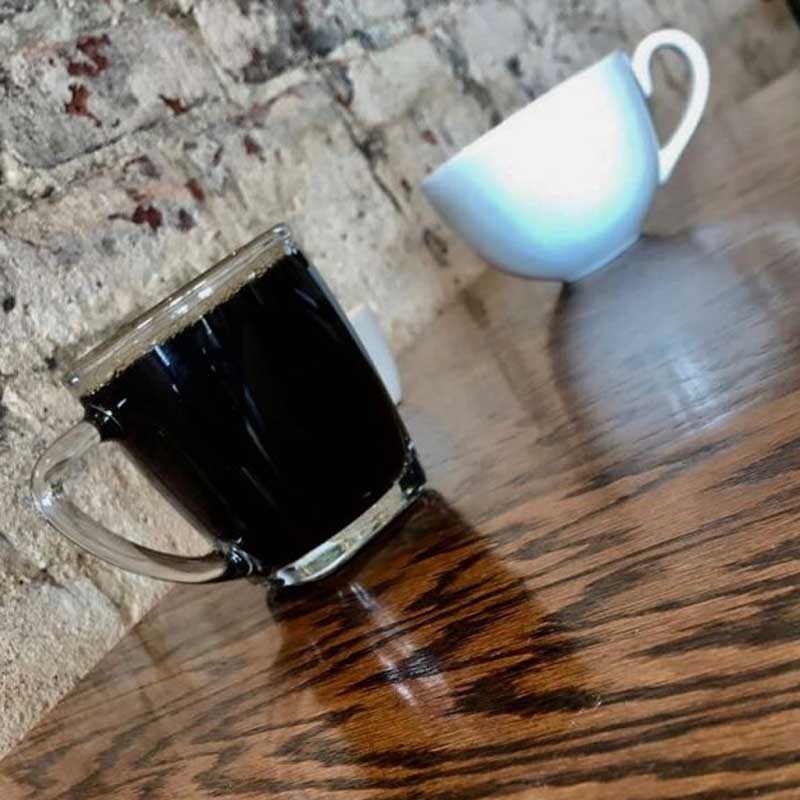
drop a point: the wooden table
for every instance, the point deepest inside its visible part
(599, 598)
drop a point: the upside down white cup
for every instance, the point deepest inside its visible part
(366, 324)
(562, 186)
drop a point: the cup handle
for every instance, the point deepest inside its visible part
(82, 530)
(698, 95)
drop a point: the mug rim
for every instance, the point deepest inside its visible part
(481, 141)
(178, 310)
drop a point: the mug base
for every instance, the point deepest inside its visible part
(336, 551)
(604, 261)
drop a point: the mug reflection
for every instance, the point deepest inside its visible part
(425, 645)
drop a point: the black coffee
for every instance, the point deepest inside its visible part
(263, 419)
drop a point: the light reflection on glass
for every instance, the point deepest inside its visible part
(162, 355)
(397, 653)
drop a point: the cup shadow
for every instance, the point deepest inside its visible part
(646, 352)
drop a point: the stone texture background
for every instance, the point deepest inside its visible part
(140, 141)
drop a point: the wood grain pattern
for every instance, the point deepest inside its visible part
(600, 597)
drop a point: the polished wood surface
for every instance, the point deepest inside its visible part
(598, 598)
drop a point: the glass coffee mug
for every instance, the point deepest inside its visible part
(249, 402)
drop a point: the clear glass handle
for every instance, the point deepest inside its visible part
(81, 529)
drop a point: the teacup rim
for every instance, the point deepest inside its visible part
(481, 142)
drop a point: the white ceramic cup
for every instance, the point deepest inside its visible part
(562, 186)
(368, 329)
